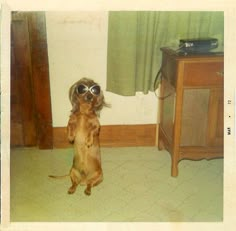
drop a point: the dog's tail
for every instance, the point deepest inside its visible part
(59, 177)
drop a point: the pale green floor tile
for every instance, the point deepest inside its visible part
(137, 186)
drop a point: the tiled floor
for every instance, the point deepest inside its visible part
(137, 186)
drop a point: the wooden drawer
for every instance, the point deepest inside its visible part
(203, 74)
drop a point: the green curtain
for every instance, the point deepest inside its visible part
(135, 39)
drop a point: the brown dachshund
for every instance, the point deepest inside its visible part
(83, 130)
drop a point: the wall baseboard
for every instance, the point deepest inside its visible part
(115, 136)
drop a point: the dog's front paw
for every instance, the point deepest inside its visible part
(71, 139)
(89, 142)
(71, 132)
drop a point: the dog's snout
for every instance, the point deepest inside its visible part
(88, 97)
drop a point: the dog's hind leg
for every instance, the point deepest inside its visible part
(87, 191)
(96, 179)
(75, 179)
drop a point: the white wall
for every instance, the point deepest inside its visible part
(77, 47)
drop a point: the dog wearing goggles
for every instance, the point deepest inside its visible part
(83, 129)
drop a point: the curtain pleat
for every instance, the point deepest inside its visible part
(135, 39)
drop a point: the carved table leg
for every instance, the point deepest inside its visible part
(174, 166)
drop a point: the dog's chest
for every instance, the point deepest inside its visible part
(86, 126)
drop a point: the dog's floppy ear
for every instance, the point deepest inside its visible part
(100, 104)
(74, 98)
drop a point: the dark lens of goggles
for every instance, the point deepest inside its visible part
(95, 90)
(82, 89)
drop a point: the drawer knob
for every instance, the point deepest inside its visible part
(220, 73)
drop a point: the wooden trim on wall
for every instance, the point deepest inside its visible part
(114, 136)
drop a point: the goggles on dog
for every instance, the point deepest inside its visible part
(94, 90)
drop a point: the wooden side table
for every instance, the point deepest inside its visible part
(191, 118)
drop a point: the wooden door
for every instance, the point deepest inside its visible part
(23, 129)
(31, 117)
